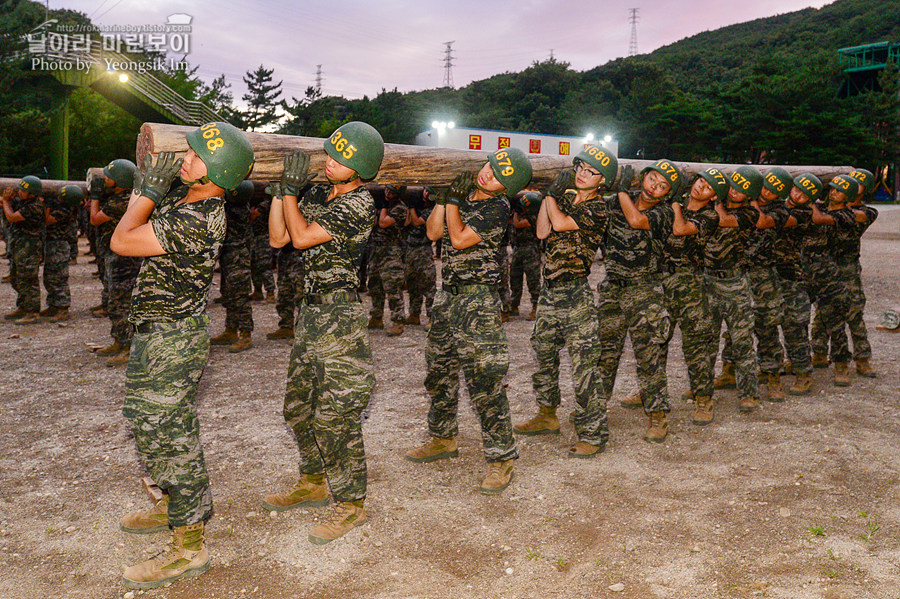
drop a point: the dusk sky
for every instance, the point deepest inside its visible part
(364, 46)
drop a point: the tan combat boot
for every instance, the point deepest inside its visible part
(243, 343)
(110, 350)
(434, 449)
(60, 315)
(544, 423)
(688, 395)
(787, 367)
(47, 312)
(819, 360)
(632, 402)
(227, 337)
(499, 475)
(281, 333)
(395, 329)
(121, 358)
(344, 517)
(703, 411)
(802, 384)
(726, 379)
(375, 322)
(773, 385)
(15, 314)
(841, 374)
(270, 297)
(532, 315)
(310, 491)
(144, 522)
(504, 316)
(585, 450)
(29, 318)
(513, 311)
(413, 319)
(864, 368)
(185, 557)
(658, 427)
(747, 404)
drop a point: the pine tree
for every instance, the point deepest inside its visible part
(261, 97)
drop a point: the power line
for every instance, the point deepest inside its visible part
(448, 64)
(633, 19)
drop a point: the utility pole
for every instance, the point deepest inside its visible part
(448, 64)
(633, 19)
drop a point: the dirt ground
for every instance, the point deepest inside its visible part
(797, 500)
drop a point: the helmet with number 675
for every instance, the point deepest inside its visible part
(511, 168)
(778, 181)
(357, 145)
(225, 151)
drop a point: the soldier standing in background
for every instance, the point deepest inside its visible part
(526, 256)
(386, 268)
(102, 231)
(25, 215)
(262, 269)
(289, 264)
(59, 216)
(503, 261)
(421, 274)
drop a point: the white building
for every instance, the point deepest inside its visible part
(488, 140)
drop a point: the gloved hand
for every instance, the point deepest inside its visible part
(564, 180)
(158, 177)
(138, 181)
(296, 173)
(274, 189)
(96, 187)
(625, 178)
(460, 188)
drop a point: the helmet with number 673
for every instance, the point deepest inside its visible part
(600, 160)
(357, 145)
(511, 168)
(846, 185)
(225, 151)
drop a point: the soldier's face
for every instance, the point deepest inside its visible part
(336, 172)
(193, 169)
(23, 195)
(702, 191)
(736, 196)
(837, 197)
(586, 177)
(655, 185)
(767, 196)
(798, 198)
(487, 181)
(390, 194)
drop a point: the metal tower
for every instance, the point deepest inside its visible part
(448, 64)
(319, 78)
(633, 19)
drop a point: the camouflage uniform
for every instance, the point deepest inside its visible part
(421, 274)
(725, 263)
(235, 268)
(686, 298)
(121, 273)
(632, 302)
(290, 285)
(386, 269)
(57, 253)
(103, 236)
(331, 373)
(27, 251)
(503, 263)
(567, 317)
(526, 264)
(262, 270)
(795, 325)
(466, 333)
(170, 349)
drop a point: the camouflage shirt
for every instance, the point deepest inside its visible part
(726, 248)
(636, 253)
(761, 250)
(175, 285)
(33, 212)
(348, 219)
(525, 236)
(477, 264)
(237, 224)
(687, 250)
(416, 235)
(393, 235)
(860, 229)
(824, 241)
(64, 217)
(115, 207)
(260, 225)
(570, 254)
(789, 241)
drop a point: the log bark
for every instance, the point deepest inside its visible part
(409, 165)
(49, 187)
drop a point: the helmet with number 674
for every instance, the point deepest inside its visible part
(511, 168)
(357, 145)
(809, 184)
(225, 151)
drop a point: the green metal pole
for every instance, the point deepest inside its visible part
(59, 139)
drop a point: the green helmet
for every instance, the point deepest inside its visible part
(30, 184)
(717, 181)
(357, 145)
(865, 178)
(71, 195)
(121, 171)
(809, 184)
(531, 201)
(847, 185)
(667, 169)
(511, 168)
(779, 182)
(747, 180)
(225, 151)
(241, 194)
(600, 160)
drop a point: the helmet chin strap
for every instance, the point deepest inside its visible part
(490, 193)
(345, 181)
(202, 180)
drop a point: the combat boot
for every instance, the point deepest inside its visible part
(632, 402)
(395, 329)
(227, 337)
(514, 311)
(787, 367)
(270, 297)
(29, 318)
(434, 449)
(504, 316)
(144, 522)
(773, 386)
(121, 358)
(532, 315)
(110, 350)
(688, 395)
(703, 411)
(344, 517)
(243, 343)
(545, 423)
(413, 319)
(747, 404)
(60, 315)
(15, 314)
(281, 333)
(47, 312)
(864, 368)
(802, 384)
(310, 491)
(658, 427)
(584, 450)
(375, 322)
(819, 360)
(841, 373)
(726, 379)
(499, 475)
(185, 557)
(256, 296)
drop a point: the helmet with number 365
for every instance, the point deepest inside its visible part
(357, 145)
(225, 151)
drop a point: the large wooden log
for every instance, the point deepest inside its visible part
(412, 165)
(49, 187)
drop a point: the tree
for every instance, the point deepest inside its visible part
(261, 97)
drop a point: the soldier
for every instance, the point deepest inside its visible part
(262, 269)
(179, 230)
(59, 216)
(289, 264)
(102, 231)
(503, 261)
(235, 269)
(466, 333)
(25, 215)
(572, 224)
(526, 256)
(421, 274)
(386, 269)
(331, 373)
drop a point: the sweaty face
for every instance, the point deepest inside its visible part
(655, 185)
(336, 172)
(487, 181)
(193, 168)
(702, 190)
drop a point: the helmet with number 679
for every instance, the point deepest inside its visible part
(357, 145)
(511, 168)
(225, 151)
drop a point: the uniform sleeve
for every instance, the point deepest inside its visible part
(780, 215)
(746, 218)
(706, 221)
(33, 213)
(661, 218)
(184, 231)
(398, 213)
(489, 220)
(348, 216)
(59, 213)
(116, 207)
(843, 219)
(871, 214)
(590, 216)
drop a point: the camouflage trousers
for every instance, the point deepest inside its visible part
(27, 251)
(768, 314)
(103, 253)
(795, 326)
(503, 263)
(330, 379)
(56, 272)
(526, 264)
(122, 272)
(262, 269)
(421, 278)
(290, 287)
(638, 310)
(732, 303)
(466, 335)
(386, 278)
(688, 305)
(850, 276)
(236, 287)
(828, 291)
(567, 317)
(161, 381)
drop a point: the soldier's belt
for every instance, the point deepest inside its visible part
(341, 296)
(623, 282)
(552, 283)
(730, 273)
(190, 322)
(470, 288)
